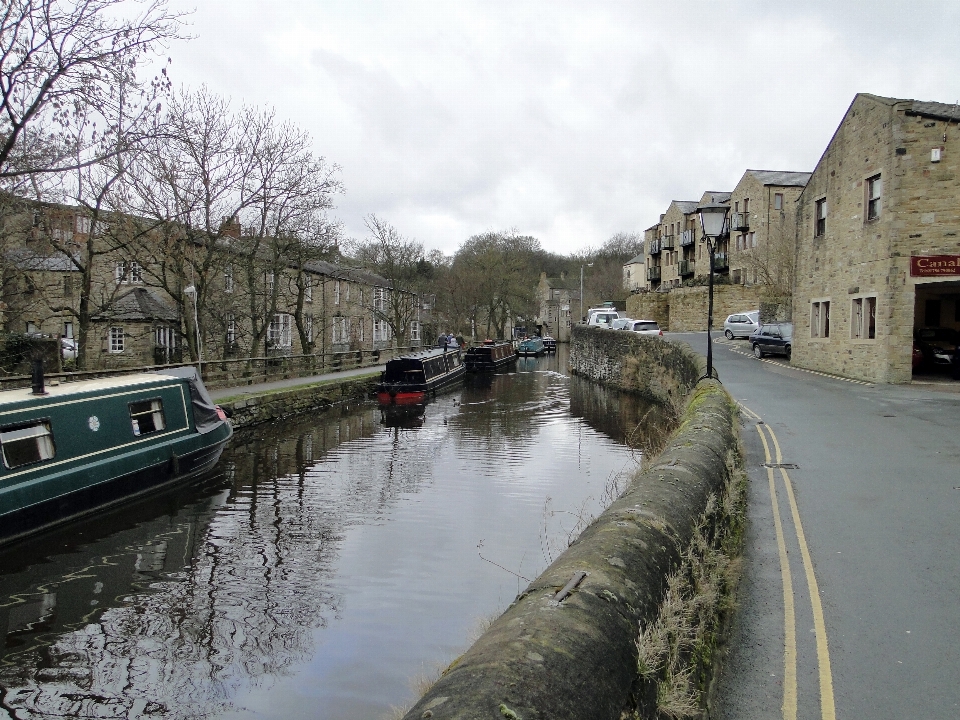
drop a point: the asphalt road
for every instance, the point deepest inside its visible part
(850, 596)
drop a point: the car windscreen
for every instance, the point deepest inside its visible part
(637, 327)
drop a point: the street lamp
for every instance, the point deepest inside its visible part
(713, 217)
(581, 289)
(192, 292)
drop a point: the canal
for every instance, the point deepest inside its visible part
(329, 566)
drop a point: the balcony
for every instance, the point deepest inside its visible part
(668, 242)
(655, 247)
(740, 221)
(687, 238)
(653, 273)
(687, 267)
(720, 262)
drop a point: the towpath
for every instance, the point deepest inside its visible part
(266, 387)
(850, 592)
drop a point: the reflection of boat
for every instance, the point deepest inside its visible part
(403, 416)
(72, 448)
(409, 378)
(531, 346)
(490, 356)
(549, 344)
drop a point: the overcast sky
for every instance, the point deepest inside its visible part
(569, 121)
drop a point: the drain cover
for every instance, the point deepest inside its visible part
(782, 466)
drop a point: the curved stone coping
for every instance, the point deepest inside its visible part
(577, 658)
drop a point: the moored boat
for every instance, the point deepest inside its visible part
(490, 356)
(71, 449)
(549, 344)
(410, 378)
(531, 346)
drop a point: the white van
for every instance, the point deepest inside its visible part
(603, 318)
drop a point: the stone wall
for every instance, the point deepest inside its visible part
(684, 309)
(573, 654)
(247, 410)
(649, 366)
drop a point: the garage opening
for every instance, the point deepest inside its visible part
(936, 331)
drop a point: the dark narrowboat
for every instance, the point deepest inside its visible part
(549, 344)
(71, 449)
(532, 346)
(410, 378)
(490, 356)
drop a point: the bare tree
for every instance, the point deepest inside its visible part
(60, 60)
(401, 261)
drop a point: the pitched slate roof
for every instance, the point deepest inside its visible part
(638, 259)
(940, 111)
(781, 178)
(686, 206)
(323, 267)
(26, 259)
(139, 304)
(718, 196)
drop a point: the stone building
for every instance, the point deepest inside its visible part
(763, 228)
(635, 274)
(559, 298)
(878, 251)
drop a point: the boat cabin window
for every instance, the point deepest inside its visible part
(26, 444)
(147, 416)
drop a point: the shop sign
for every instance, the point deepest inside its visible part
(934, 265)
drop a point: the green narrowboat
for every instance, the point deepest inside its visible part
(70, 449)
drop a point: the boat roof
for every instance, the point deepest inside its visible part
(19, 395)
(427, 353)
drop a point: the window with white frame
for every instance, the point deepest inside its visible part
(126, 273)
(228, 279)
(27, 443)
(753, 239)
(820, 319)
(279, 333)
(379, 299)
(346, 292)
(269, 281)
(778, 201)
(415, 330)
(308, 326)
(874, 191)
(341, 330)
(381, 331)
(231, 329)
(147, 417)
(120, 272)
(83, 224)
(820, 217)
(116, 339)
(336, 292)
(359, 325)
(307, 289)
(863, 318)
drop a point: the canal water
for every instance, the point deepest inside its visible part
(331, 565)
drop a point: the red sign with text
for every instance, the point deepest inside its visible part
(934, 265)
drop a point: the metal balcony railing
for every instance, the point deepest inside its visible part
(740, 221)
(720, 262)
(668, 242)
(655, 247)
(653, 273)
(687, 267)
(687, 237)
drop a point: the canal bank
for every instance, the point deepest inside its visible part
(627, 621)
(255, 404)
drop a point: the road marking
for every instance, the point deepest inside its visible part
(789, 616)
(748, 412)
(827, 706)
(800, 369)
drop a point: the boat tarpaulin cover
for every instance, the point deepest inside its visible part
(204, 408)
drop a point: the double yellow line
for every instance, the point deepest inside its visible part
(827, 707)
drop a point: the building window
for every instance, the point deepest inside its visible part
(753, 239)
(415, 330)
(308, 289)
(359, 325)
(279, 332)
(270, 281)
(381, 331)
(68, 285)
(778, 201)
(116, 339)
(346, 292)
(26, 444)
(336, 292)
(339, 331)
(379, 299)
(147, 417)
(820, 319)
(308, 327)
(83, 224)
(228, 279)
(68, 329)
(127, 273)
(863, 325)
(874, 190)
(820, 216)
(746, 205)
(231, 329)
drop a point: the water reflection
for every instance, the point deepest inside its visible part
(331, 560)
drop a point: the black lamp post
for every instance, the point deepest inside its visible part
(713, 217)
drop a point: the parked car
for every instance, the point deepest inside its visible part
(772, 339)
(741, 324)
(644, 327)
(620, 323)
(937, 344)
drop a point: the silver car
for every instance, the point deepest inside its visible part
(645, 327)
(741, 324)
